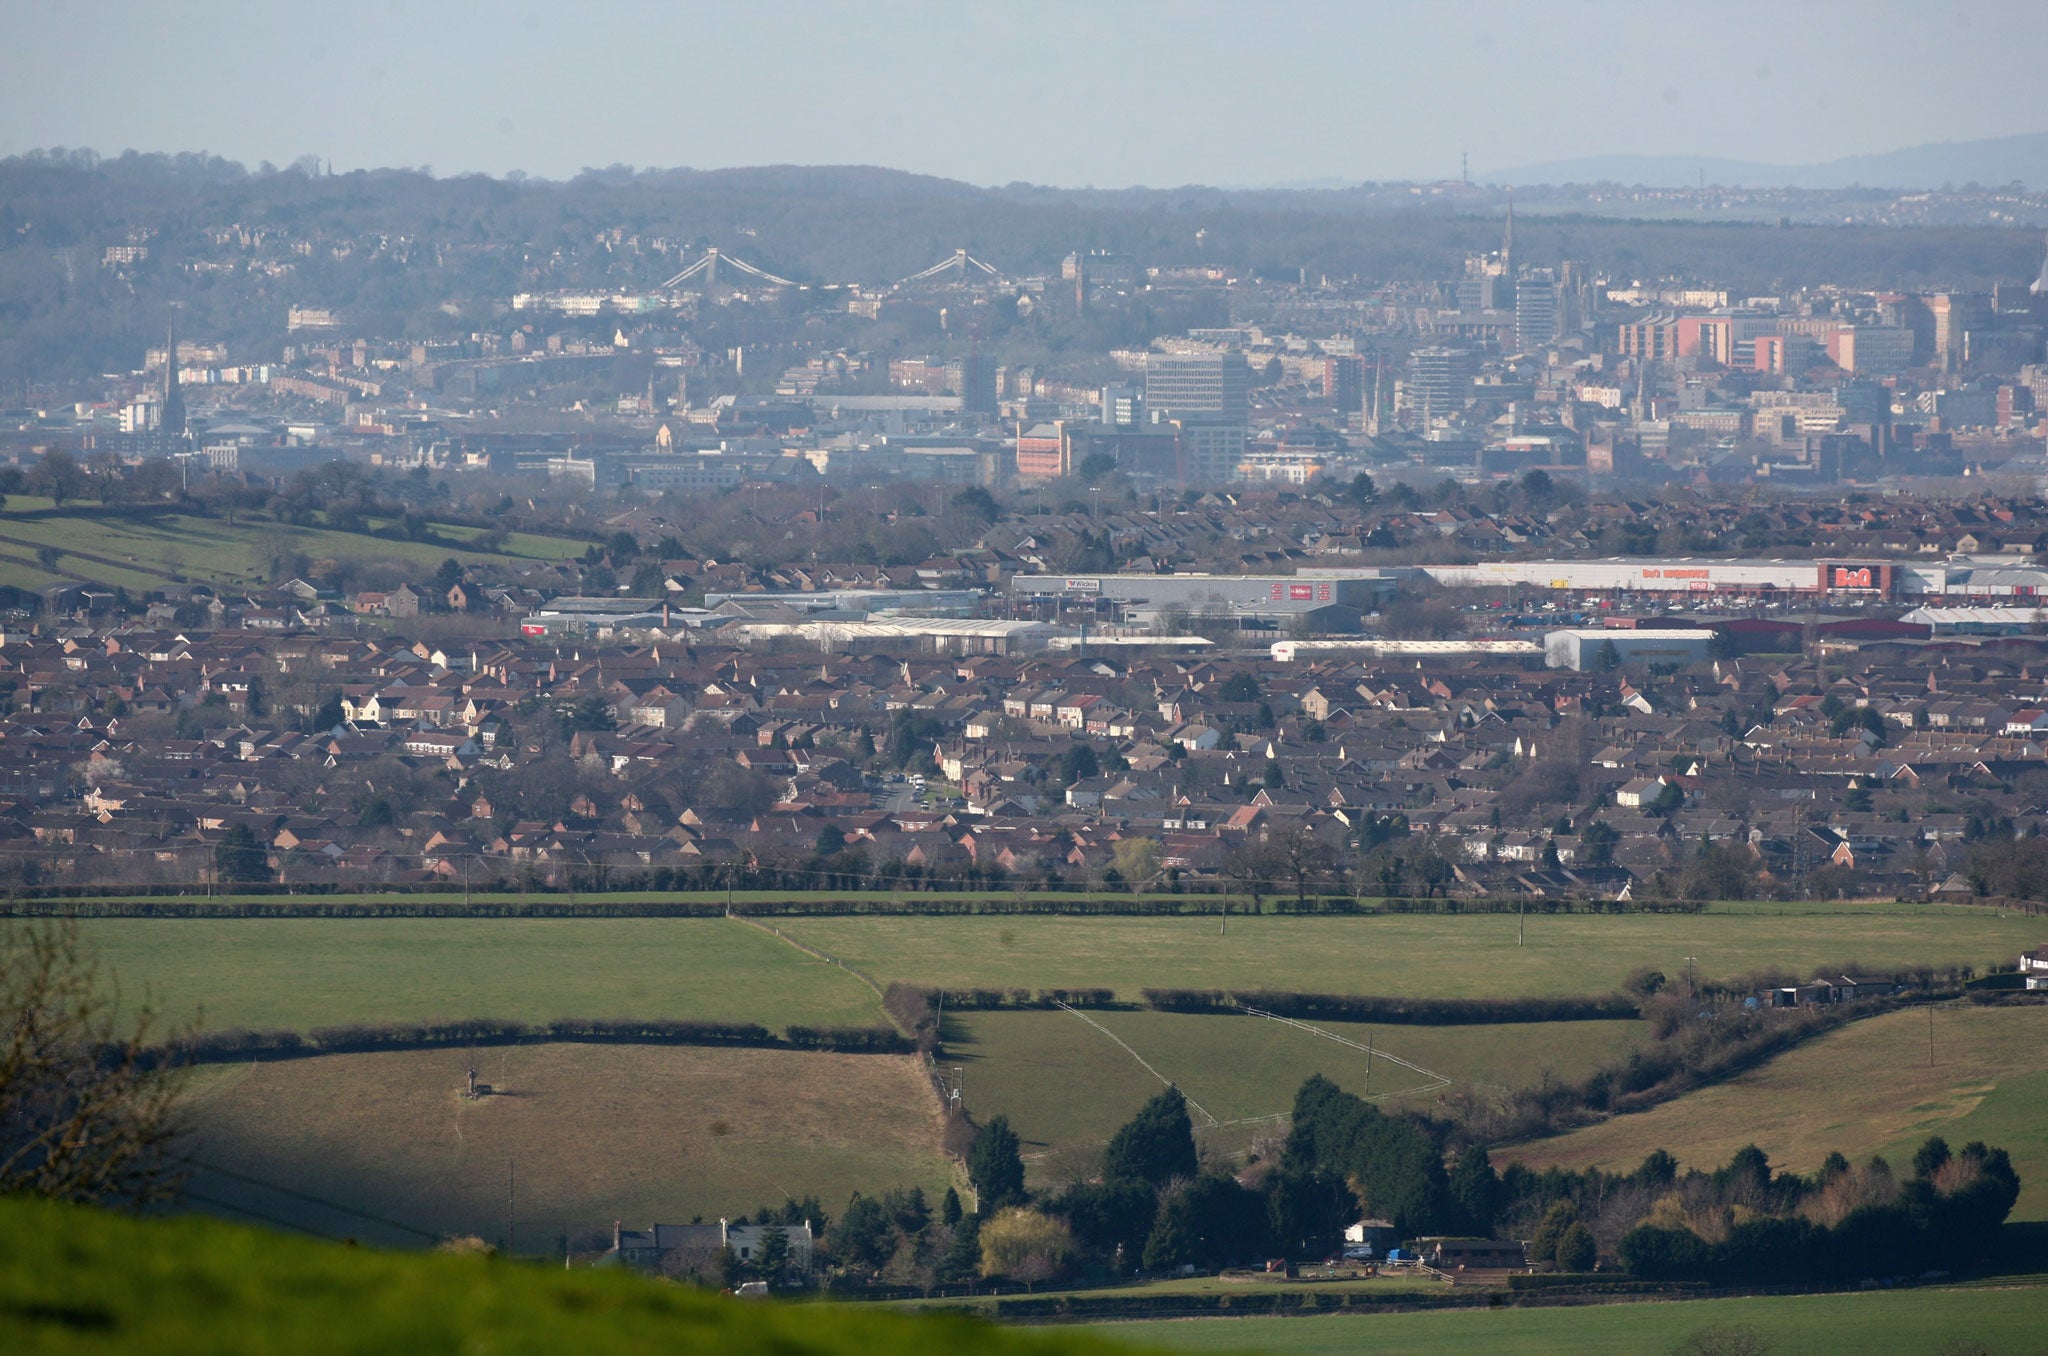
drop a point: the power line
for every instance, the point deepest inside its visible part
(277, 1220)
(309, 1199)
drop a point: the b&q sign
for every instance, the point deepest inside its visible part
(1852, 577)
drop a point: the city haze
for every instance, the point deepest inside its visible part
(1062, 94)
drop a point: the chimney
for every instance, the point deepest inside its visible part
(618, 1235)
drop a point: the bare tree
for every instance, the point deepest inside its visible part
(85, 1106)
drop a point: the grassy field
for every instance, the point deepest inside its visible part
(1067, 1086)
(573, 1137)
(149, 552)
(1473, 955)
(1910, 1323)
(301, 973)
(76, 1280)
(1866, 1088)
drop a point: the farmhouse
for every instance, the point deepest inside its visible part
(647, 1249)
(2034, 965)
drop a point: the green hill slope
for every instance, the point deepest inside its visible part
(79, 1280)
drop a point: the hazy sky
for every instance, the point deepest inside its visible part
(1107, 93)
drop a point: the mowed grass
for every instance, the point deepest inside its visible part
(1864, 1089)
(301, 973)
(572, 1137)
(1470, 955)
(1066, 1086)
(1895, 1323)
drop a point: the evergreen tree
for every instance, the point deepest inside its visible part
(1111, 1218)
(1156, 1145)
(239, 857)
(864, 1236)
(1576, 1250)
(961, 1261)
(1561, 1216)
(996, 1167)
(1210, 1221)
(949, 1209)
(1475, 1188)
(1931, 1157)
(1307, 1212)
(773, 1259)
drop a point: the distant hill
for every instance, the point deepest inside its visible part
(1994, 160)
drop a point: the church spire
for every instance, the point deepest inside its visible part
(173, 422)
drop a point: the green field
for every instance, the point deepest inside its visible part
(301, 973)
(1911, 1323)
(149, 552)
(1470, 955)
(1067, 1086)
(1867, 1088)
(573, 1137)
(74, 1280)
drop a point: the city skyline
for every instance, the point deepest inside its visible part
(1141, 94)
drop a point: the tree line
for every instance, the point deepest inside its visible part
(241, 1043)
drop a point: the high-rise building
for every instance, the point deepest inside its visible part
(1955, 315)
(1439, 380)
(974, 377)
(1215, 386)
(1535, 309)
(1344, 381)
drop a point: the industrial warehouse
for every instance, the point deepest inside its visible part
(1954, 577)
(1329, 603)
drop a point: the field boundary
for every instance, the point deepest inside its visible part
(495, 899)
(1368, 1051)
(812, 952)
(1142, 1062)
(246, 1046)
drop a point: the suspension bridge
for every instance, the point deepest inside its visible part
(960, 265)
(707, 269)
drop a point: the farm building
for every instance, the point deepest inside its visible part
(1448, 1254)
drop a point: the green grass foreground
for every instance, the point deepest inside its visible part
(79, 1280)
(2007, 1321)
